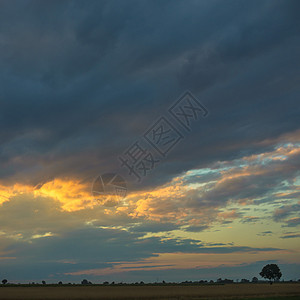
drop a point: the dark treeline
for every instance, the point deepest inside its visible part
(271, 273)
(85, 282)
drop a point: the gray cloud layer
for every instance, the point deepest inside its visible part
(81, 81)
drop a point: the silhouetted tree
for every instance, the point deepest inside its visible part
(254, 279)
(60, 282)
(4, 281)
(271, 272)
(43, 282)
(84, 281)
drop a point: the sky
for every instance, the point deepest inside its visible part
(193, 106)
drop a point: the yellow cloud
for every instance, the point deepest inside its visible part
(6, 192)
(72, 194)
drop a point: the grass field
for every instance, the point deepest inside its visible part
(286, 291)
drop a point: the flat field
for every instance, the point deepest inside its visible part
(227, 291)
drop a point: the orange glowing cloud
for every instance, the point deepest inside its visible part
(72, 194)
(6, 192)
(228, 215)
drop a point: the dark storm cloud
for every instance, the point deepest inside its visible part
(147, 226)
(290, 236)
(265, 233)
(81, 81)
(293, 222)
(251, 220)
(286, 211)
